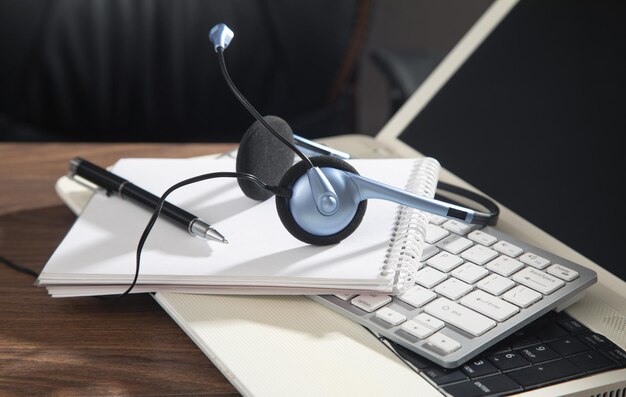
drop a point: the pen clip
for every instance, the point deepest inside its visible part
(87, 185)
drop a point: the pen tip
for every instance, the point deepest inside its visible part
(224, 241)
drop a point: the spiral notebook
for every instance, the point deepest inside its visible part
(98, 254)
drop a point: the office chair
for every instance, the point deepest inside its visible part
(93, 70)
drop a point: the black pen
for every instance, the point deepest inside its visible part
(114, 184)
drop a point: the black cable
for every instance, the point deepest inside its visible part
(19, 268)
(253, 111)
(277, 190)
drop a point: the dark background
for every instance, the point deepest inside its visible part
(534, 118)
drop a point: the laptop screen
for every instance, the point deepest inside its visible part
(534, 117)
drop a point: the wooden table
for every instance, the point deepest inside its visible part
(82, 346)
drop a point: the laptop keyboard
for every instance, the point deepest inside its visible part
(475, 287)
(553, 349)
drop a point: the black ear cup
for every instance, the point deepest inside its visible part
(286, 217)
(264, 156)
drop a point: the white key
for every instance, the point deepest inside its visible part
(345, 297)
(507, 249)
(562, 272)
(417, 296)
(390, 316)
(482, 238)
(522, 296)
(459, 316)
(469, 272)
(429, 321)
(489, 305)
(538, 280)
(495, 284)
(444, 343)
(416, 329)
(504, 265)
(457, 226)
(534, 260)
(370, 302)
(436, 219)
(445, 261)
(428, 250)
(453, 288)
(435, 233)
(454, 244)
(429, 277)
(479, 254)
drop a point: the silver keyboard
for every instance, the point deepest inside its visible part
(475, 286)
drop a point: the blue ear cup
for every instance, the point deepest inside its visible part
(299, 213)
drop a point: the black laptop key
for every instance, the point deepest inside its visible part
(545, 374)
(548, 331)
(570, 324)
(489, 386)
(592, 361)
(596, 341)
(568, 346)
(443, 376)
(478, 368)
(508, 361)
(538, 354)
(616, 354)
(521, 339)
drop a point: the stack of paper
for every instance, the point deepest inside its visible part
(97, 256)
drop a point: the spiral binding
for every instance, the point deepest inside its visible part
(408, 232)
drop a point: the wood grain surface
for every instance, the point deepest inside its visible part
(83, 346)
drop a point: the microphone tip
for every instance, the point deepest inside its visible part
(220, 35)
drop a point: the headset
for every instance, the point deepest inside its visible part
(321, 200)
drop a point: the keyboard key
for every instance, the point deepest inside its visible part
(489, 305)
(457, 227)
(522, 338)
(469, 272)
(370, 302)
(444, 343)
(480, 367)
(522, 296)
(429, 321)
(459, 316)
(417, 296)
(535, 261)
(538, 354)
(495, 284)
(436, 219)
(443, 376)
(570, 325)
(454, 244)
(444, 261)
(547, 330)
(453, 288)
(427, 251)
(504, 265)
(507, 361)
(568, 346)
(596, 341)
(548, 373)
(390, 316)
(507, 248)
(435, 233)
(616, 354)
(489, 386)
(562, 272)
(592, 361)
(482, 238)
(538, 280)
(416, 329)
(479, 254)
(345, 297)
(429, 277)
